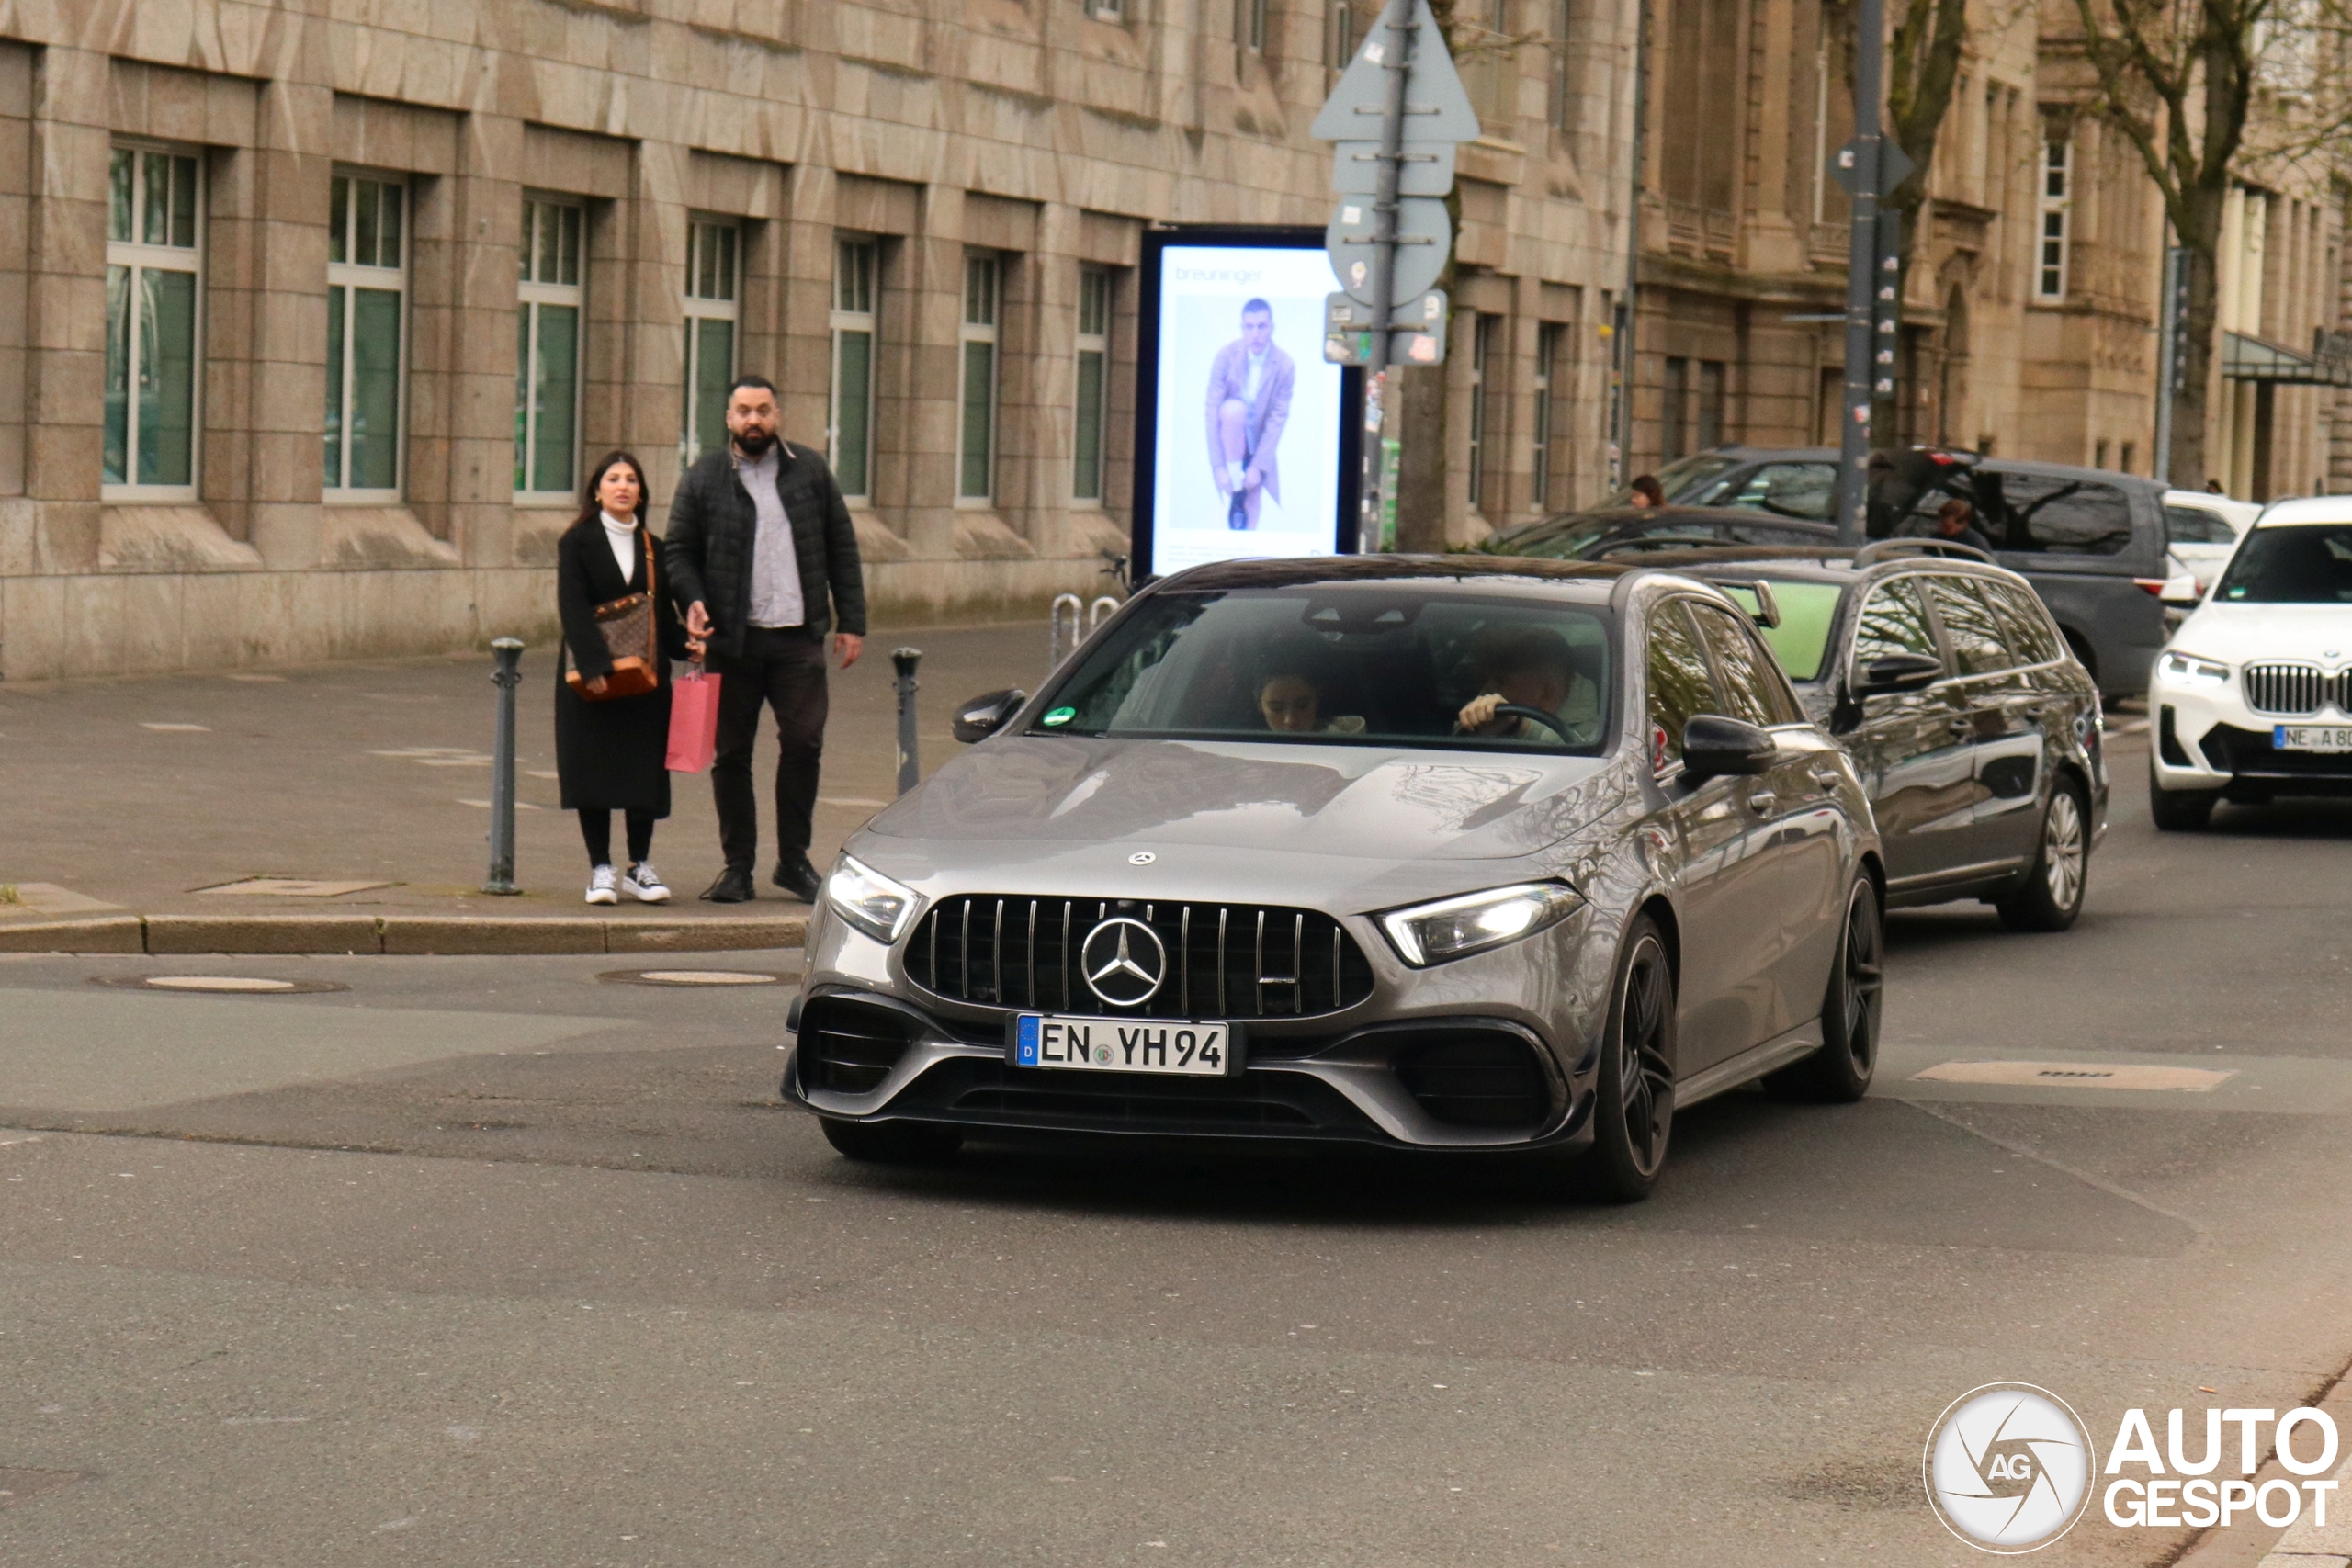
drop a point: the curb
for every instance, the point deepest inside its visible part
(400, 934)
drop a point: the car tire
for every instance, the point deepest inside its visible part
(2050, 896)
(890, 1143)
(1633, 1113)
(1840, 1072)
(2179, 810)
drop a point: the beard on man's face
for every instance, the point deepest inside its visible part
(755, 441)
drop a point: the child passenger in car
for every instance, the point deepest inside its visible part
(1290, 704)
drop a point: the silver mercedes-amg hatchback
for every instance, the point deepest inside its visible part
(1456, 854)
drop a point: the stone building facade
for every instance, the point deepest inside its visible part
(312, 312)
(2034, 287)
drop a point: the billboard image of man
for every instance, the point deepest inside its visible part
(1249, 403)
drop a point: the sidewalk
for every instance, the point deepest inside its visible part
(345, 808)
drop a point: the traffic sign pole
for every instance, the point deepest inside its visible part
(1860, 169)
(1398, 25)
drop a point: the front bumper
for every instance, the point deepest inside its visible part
(2205, 739)
(1491, 1052)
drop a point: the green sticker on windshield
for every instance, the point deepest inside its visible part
(1060, 715)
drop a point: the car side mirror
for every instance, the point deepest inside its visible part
(1714, 745)
(2181, 591)
(985, 715)
(1900, 672)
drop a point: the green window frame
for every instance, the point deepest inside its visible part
(551, 308)
(713, 315)
(976, 432)
(1087, 446)
(367, 333)
(154, 310)
(857, 333)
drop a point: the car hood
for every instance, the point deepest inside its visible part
(2237, 633)
(1364, 803)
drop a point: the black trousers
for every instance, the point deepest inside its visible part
(596, 833)
(785, 671)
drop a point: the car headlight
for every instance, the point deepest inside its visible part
(2190, 671)
(1455, 928)
(870, 901)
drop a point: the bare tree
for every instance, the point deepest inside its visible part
(2188, 83)
(1922, 65)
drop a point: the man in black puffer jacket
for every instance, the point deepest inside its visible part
(758, 538)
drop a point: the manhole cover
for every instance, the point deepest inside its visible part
(217, 985)
(691, 977)
(2079, 1075)
(290, 888)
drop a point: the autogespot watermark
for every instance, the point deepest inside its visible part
(2009, 1468)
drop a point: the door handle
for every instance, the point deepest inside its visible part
(1964, 727)
(1761, 801)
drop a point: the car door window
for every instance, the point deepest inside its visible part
(1978, 647)
(1751, 686)
(1679, 686)
(1790, 489)
(2053, 515)
(1893, 621)
(2194, 525)
(2027, 623)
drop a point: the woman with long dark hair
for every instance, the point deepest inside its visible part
(612, 750)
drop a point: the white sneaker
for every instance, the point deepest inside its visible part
(644, 883)
(600, 886)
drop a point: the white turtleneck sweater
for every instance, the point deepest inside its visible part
(621, 533)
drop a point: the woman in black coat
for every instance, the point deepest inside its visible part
(613, 754)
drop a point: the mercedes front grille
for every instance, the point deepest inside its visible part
(1221, 960)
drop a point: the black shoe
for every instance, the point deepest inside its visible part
(733, 887)
(798, 877)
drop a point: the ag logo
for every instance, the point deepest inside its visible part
(2009, 1467)
(1123, 962)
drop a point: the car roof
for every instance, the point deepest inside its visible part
(2308, 509)
(1587, 582)
(2230, 506)
(1806, 563)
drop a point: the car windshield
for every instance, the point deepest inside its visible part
(1554, 538)
(1808, 612)
(1681, 478)
(2296, 563)
(1347, 664)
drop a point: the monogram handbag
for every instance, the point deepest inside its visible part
(631, 630)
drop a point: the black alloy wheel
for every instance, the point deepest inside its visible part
(892, 1142)
(2051, 894)
(2179, 810)
(1840, 1072)
(1633, 1109)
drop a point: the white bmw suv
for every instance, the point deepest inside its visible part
(2253, 697)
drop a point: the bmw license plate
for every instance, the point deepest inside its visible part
(2311, 736)
(1122, 1046)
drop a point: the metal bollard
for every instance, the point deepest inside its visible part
(904, 660)
(1055, 651)
(1105, 608)
(506, 677)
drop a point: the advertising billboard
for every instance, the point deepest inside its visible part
(1247, 444)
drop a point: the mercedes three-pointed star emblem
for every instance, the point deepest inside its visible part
(1123, 962)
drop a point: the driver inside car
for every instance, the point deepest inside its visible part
(1530, 667)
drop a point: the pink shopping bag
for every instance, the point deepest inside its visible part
(694, 720)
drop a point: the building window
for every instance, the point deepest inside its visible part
(714, 295)
(546, 348)
(1491, 75)
(1251, 25)
(855, 264)
(1093, 381)
(367, 313)
(1106, 10)
(1712, 404)
(976, 432)
(1486, 377)
(1674, 405)
(1550, 338)
(1560, 107)
(2049, 273)
(154, 301)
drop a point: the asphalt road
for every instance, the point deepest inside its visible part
(496, 1261)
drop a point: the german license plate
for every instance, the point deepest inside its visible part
(1122, 1046)
(2311, 736)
